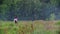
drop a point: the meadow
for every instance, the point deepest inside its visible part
(30, 27)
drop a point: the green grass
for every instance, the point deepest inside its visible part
(24, 27)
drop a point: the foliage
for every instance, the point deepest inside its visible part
(27, 9)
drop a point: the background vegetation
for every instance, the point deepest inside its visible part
(29, 9)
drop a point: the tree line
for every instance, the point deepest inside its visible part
(29, 9)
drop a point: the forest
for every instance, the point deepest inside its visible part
(30, 9)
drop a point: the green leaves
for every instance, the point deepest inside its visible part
(27, 8)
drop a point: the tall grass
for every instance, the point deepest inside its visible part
(25, 27)
(58, 24)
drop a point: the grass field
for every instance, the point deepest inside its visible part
(29, 27)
